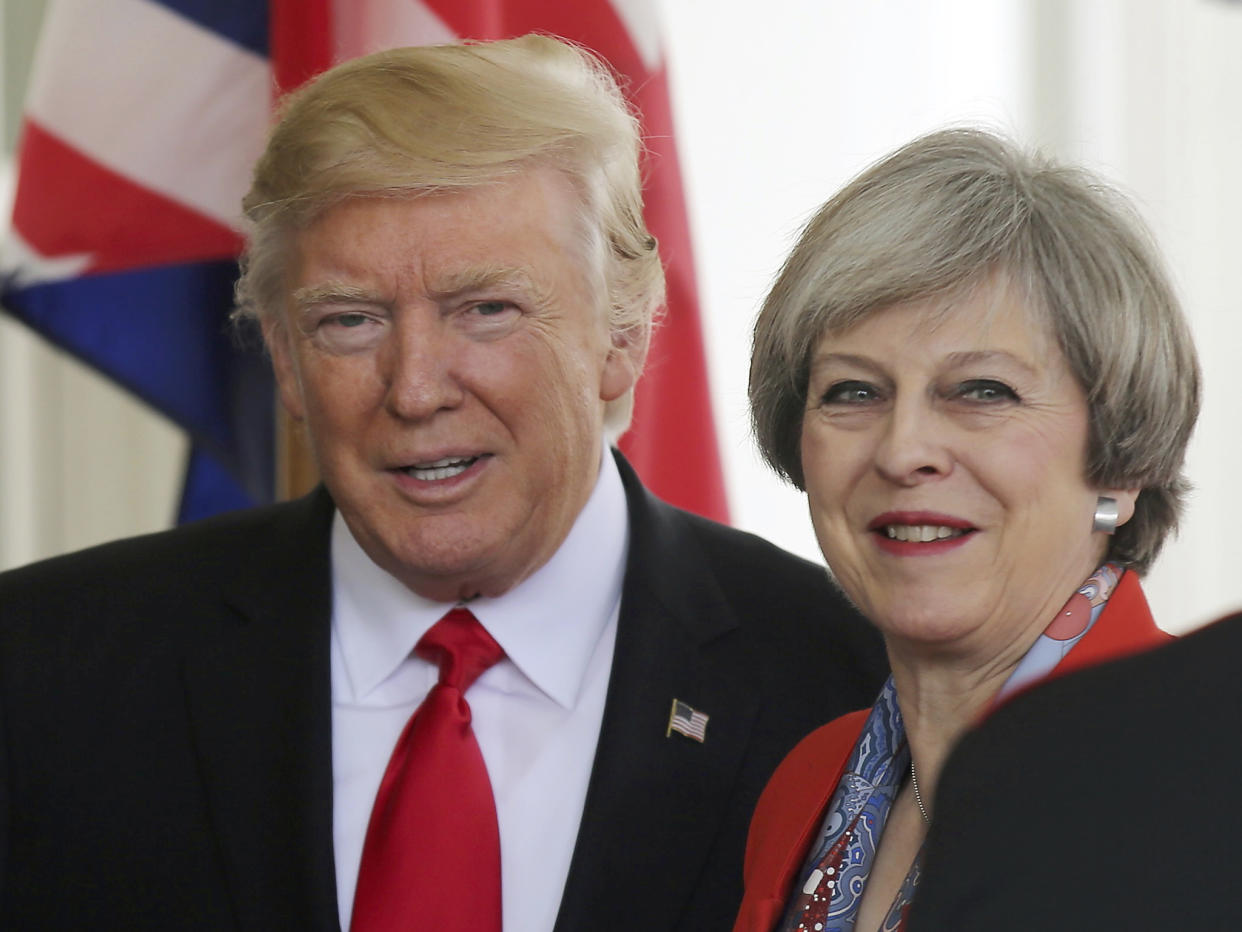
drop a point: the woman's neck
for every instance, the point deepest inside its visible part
(940, 701)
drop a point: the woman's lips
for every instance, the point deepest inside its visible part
(919, 533)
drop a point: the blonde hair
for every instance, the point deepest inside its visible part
(951, 209)
(429, 119)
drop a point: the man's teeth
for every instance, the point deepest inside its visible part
(921, 533)
(446, 468)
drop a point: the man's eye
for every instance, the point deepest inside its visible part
(988, 391)
(347, 320)
(492, 308)
(348, 332)
(489, 320)
(850, 392)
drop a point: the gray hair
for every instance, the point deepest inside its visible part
(429, 119)
(951, 209)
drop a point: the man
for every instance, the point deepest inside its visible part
(1106, 800)
(207, 728)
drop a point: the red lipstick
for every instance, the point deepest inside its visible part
(919, 533)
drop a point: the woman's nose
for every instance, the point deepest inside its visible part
(914, 446)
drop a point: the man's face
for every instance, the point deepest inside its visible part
(449, 359)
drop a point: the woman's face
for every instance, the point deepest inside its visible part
(943, 447)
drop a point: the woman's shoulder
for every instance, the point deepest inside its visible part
(827, 747)
(791, 808)
(802, 784)
(1125, 627)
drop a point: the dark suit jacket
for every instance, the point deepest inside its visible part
(791, 809)
(1111, 799)
(165, 730)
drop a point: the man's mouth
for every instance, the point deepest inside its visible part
(440, 469)
(921, 533)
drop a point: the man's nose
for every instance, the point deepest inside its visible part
(419, 368)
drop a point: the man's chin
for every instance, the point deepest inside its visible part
(446, 573)
(447, 585)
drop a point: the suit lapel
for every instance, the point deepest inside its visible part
(654, 802)
(259, 699)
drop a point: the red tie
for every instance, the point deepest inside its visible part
(431, 860)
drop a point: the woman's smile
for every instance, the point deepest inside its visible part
(916, 534)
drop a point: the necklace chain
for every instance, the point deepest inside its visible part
(918, 797)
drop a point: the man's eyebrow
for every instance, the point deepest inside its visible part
(446, 285)
(451, 284)
(331, 293)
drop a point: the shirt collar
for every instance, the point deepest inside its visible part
(549, 624)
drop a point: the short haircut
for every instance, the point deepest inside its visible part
(432, 119)
(952, 209)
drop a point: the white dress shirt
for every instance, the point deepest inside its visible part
(536, 714)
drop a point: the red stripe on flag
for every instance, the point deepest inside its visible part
(673, 439)
(59, 181)
(299, 40)
(673, 442)
(593, 23)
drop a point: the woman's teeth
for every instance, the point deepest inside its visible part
(921, 533)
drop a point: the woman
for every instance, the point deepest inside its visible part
(975, 367)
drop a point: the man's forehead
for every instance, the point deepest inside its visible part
(509, 235)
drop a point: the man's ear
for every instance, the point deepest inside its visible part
(625, 362)
(276, 336)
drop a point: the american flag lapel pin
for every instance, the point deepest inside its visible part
(687, 721)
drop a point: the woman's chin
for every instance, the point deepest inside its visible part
(933, 632)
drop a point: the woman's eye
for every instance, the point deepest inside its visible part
(850, 392)
(987, 391)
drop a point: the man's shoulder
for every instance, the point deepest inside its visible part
(767, 563)
(786, 606)
(746, 566)
(728, 549)
(174, 559)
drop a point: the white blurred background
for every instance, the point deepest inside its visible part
(777, 104)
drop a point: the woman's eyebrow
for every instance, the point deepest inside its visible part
(976, 357)
(961, 358)
(849, 359)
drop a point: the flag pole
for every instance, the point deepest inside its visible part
(296, 473)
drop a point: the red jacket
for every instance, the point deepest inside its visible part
(791, 809)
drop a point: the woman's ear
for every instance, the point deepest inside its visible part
(1118, 502)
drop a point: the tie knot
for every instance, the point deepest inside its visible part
(461, 647)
